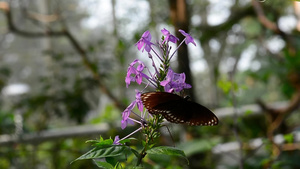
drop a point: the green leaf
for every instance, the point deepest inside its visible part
(101, 142)
(143, 143)
(111, 160)
(289, 138)
(163, 150)
(92, 141)
(102, 164)
(225, 85)
(118, 166)
(104, 143)
(248, 112)
(198, 146)
(102, 152)
(136, 153)
(127, 140)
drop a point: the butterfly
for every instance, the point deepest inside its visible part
(177, 109)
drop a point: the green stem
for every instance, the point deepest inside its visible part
(143, 152)
(142, 155)
(150, 136)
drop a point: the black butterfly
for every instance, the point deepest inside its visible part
(177, 109)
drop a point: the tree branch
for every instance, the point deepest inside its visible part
(271, 25)
(263, 19)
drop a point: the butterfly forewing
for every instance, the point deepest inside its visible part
(154, 101)
(177, 109)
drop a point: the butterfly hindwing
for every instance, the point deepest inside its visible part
(200, 115)
(191, 113)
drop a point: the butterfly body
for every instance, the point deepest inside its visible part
(177, 109)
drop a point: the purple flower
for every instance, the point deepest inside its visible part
(169, 36)
(174, 82)
(116, 141)
(188, 38)
(138, 72)
(125, 116)
(145, 42)
(138, 100)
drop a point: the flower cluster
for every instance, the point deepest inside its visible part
(160, 77)
(163, 78)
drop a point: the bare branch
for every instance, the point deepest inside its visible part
(263, 19)
(293, 105)
(270, 24)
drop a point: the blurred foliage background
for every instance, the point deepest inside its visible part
(63, 66)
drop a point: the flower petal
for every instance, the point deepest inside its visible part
(116, 140)
(145, 42)
(188, 38)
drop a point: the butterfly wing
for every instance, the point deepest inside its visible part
(177, 109)
(200, 115)
(157, 102)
